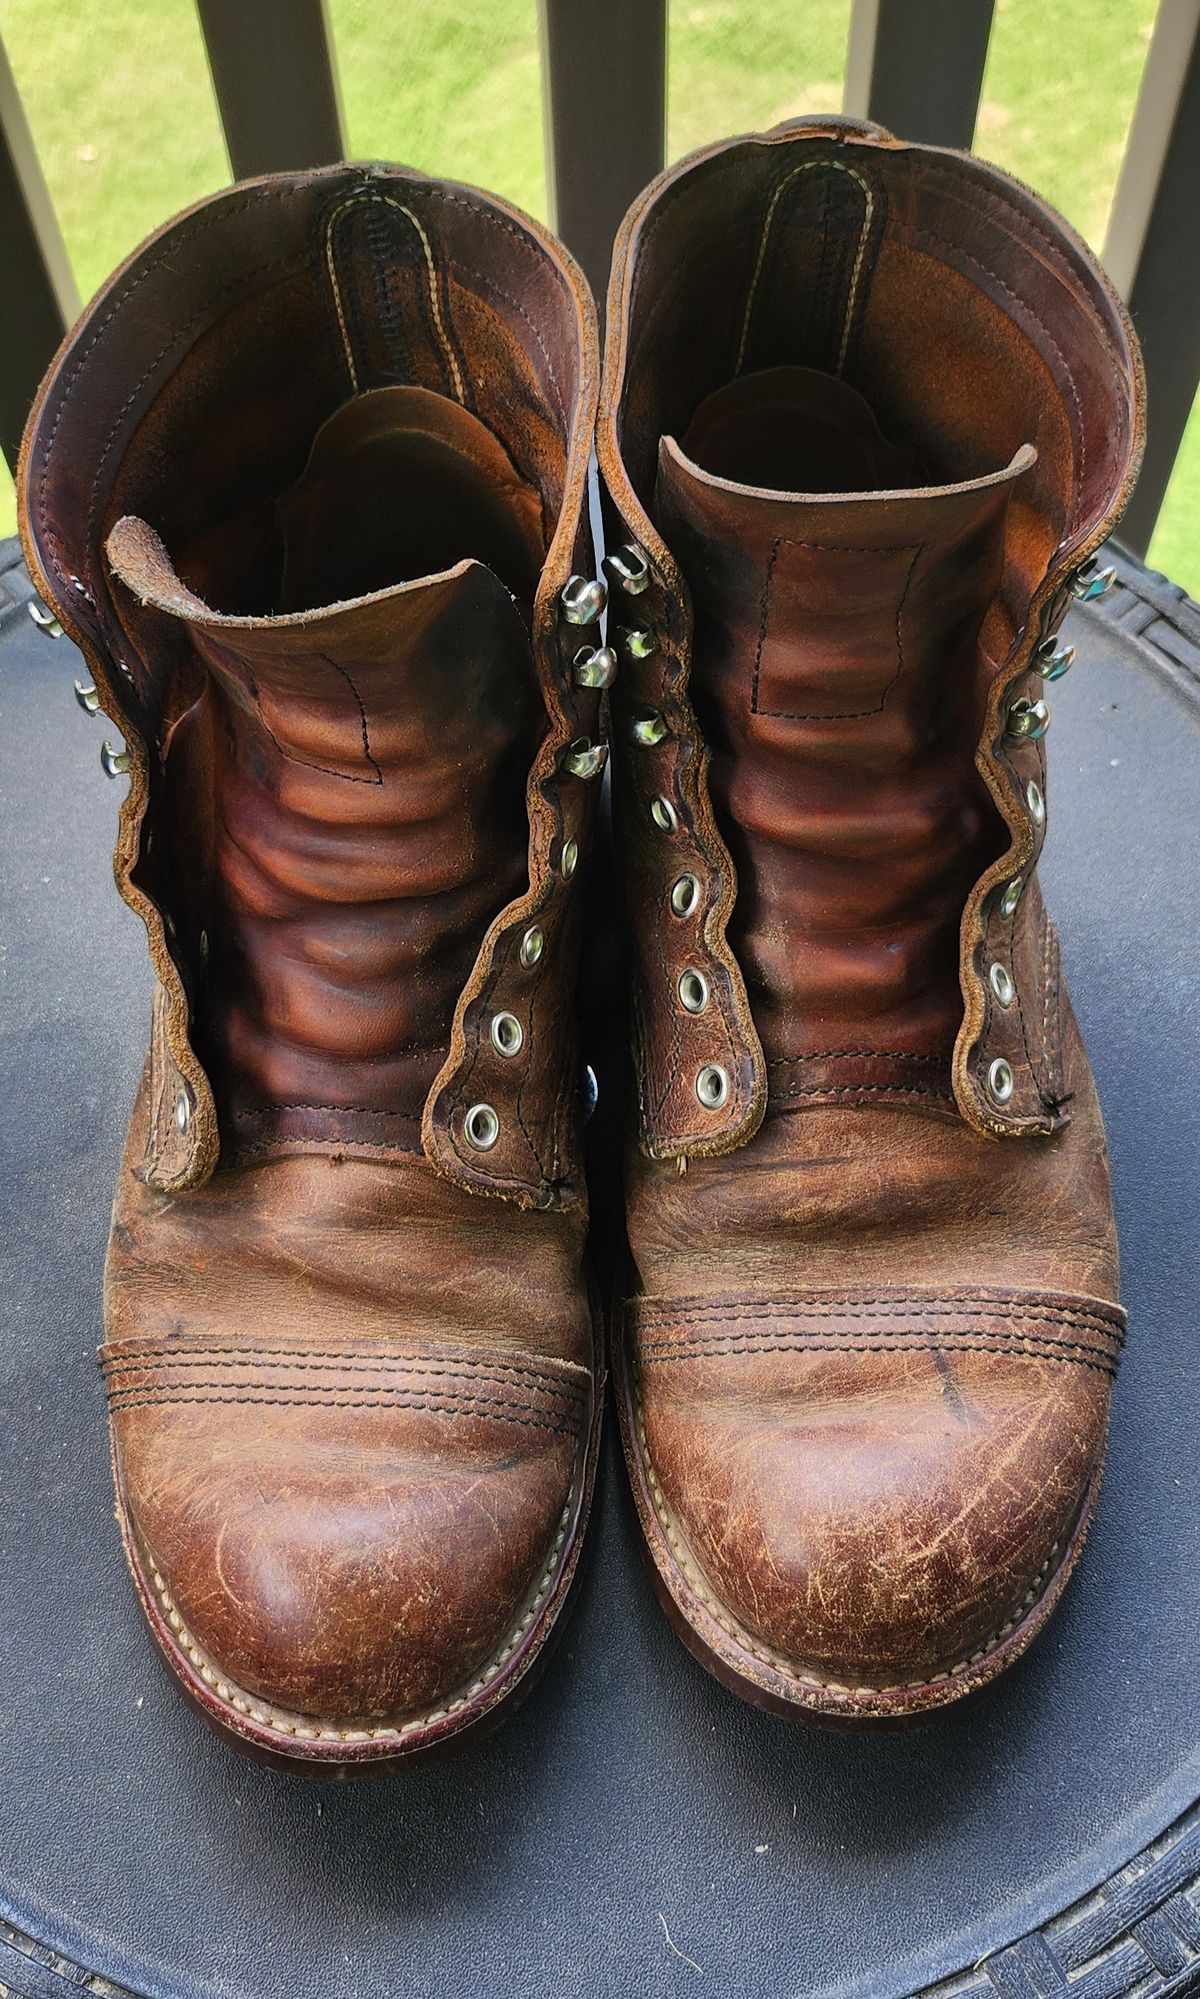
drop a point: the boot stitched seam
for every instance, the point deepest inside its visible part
(680, 1323)
(570, 1395)
(120, 1361)
(867, 1054)
(863, 1089)
(776, 1660)
(268, 1716)
(829, 548)
(492, 1410)
(780, 1305)
(1011, 1344)
(357, 1110)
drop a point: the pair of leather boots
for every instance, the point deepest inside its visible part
(309, 487)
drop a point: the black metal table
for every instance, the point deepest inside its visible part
(634, 1831)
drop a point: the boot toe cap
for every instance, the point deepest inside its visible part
(876, 1515)
(356, 1549)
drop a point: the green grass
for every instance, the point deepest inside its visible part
(122, 112)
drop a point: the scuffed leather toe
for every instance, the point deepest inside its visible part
(360, 1536)
(870, 1489)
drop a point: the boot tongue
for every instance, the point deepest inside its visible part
(350, 783)
(840, 672)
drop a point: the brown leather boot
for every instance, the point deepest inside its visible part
(307, 487)
(868, 410)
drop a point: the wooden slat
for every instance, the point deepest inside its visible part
(276, 83)
(1153, 250)
(917, 66)
(39, 299)
(604, 65)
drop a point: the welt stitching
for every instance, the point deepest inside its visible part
(823, 548)
(1073, 1356)
(269, 1356)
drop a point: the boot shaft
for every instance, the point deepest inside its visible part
(868, 410)
(307, 485)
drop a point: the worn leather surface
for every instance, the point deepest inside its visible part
(869, 1344)
(631, 1786)
(354, 1401)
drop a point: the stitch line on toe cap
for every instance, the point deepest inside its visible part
(775, 1660)
(267, 1715)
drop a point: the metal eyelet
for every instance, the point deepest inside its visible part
(594, 666)
(87, 696)
(639, 641)
(628, 568)
(533, 943)
(44, 620)
(1000, 981)
(693, 991)
(664, 814)
(712, 1086)
(481, 1127)
(183, 1111)
(583, 599)
(1000, 1081)
(649, 728)
(1051, 660)
(115, 763)
(585, 758)
(508, 1035)
(1035, 802)
(589, 1090)
(568, 860)
(685, 894)
(1090, 581)
(1028, 720)
(1011, 897)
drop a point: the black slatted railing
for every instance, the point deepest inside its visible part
(916, 66)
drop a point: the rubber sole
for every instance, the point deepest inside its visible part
(739, 1660)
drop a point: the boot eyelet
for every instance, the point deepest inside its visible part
(628, 569)
(1000, 1081)
(533, 943)
(639, 642)
(114, 762)
(44, 619)
(664, 814)
(594, 666)
(649, 728)
(1011, 897)
(1000, 981)
(87, 696)
(1052, 660)
(712, 1086)
(481, 1127)
(693, 991)
(183, 1111)
(568, 860)
(1028, 721)
(583, 599)
(1035, 802)
(508, 1035)
(586, 759)
(1090, 581)
(589, 1091)
(685, 894)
